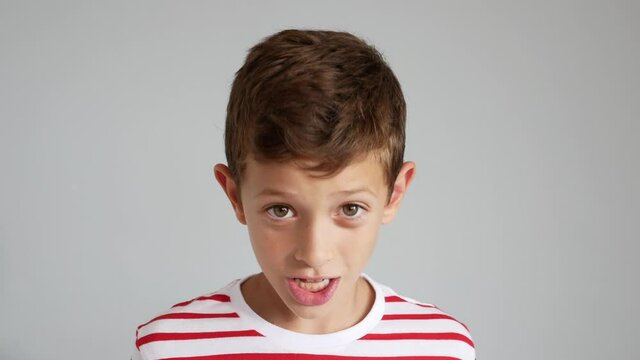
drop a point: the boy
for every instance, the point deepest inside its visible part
(314, 142)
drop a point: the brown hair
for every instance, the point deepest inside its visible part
(326, 96)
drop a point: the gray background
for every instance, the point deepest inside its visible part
(522, 118)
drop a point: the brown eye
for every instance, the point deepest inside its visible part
(350, 210)
(279, 211)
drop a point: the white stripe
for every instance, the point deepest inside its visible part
(409, 308)
(420, 326)
(252, 345)
(452, 348)
(201, 347)
(192, 326)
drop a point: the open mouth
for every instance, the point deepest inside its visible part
(312, 292)
(313, 285)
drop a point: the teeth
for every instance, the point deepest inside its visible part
(312, 285)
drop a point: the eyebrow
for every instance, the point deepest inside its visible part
(356, 191)
(275, 192)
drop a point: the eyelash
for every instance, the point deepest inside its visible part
(358, 215)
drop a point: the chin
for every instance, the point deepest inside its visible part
(309, 312)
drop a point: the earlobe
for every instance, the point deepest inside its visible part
(400, 186)
(226, 181)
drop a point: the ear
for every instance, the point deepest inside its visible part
(225, 179)
(405, 176)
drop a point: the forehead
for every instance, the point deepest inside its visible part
(293, 177)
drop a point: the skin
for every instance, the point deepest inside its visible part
(300, 225)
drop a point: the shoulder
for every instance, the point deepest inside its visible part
(210, 312)
(408, 319)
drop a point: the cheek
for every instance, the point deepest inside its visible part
(358, 243)
(269, 247)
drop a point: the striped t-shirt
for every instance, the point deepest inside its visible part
(222, 326)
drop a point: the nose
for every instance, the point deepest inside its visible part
(314, 244)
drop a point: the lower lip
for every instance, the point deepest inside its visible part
(310, 298)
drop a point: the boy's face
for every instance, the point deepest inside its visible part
(313, 236)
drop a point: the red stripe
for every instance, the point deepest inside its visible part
(418, 336)
(394, 298)
(284, 356)
(421, 317)
(190, 316)
(417, 317)
(194, 336)
(216, 297)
